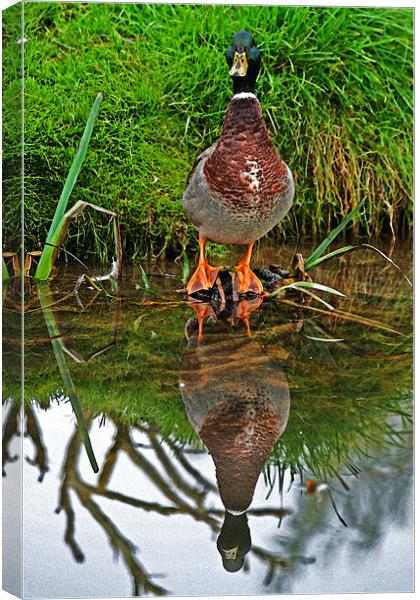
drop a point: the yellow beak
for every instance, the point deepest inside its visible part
(239, 65)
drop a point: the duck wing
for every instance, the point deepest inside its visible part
(203, 156)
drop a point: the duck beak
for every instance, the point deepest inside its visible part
(239, 65)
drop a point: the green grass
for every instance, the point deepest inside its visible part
(336, 90)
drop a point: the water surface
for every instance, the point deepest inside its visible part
(229, 463)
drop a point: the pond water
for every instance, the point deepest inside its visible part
(271, 460)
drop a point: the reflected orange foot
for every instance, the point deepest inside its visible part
(203, 310)
(203, 278)
(244, 310)
(246, 280)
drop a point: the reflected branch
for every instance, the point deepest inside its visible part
(71, 455)
(121, 544)
(109, 463)
(130, 501)
(170, 469)
(33, 431)
(189, 468)
(152, 473)
(71, 480)
(10, 429)
(69, 538)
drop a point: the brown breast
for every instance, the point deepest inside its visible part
(245, 168)
(239, 434)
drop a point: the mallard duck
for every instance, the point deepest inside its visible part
(240, 187)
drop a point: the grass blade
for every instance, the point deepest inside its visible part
(341, 314)
(5, 272)
(346, 316)
(45, 299)
(370, 247)
(301, 285)
(318, 299)
(61, 231)
(76, 259)
(321, 259)
(310, 264)
(334, 504)
(45, 264)
(333, 234)
(137, 322)
(318, 339)
(145, 279)
(185, 267)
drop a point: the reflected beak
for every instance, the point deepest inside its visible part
(231, 553)
(239, 65)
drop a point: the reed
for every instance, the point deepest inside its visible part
(61, 218)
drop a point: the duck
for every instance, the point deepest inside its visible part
(240, 187)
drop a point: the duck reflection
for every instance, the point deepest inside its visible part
(237, 399)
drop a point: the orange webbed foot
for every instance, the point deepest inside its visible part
(203, 279)
(205, 275)
(246, 280)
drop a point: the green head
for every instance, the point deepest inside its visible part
(244, 60)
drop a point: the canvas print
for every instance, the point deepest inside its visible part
(207, 299)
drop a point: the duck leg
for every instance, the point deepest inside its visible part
(246, 280)
(204, 275)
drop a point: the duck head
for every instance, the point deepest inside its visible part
(244, 60)
(234, 541)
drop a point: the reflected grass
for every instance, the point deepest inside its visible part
(344, 395)
(45, 298)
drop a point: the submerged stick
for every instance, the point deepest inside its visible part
(54, 244)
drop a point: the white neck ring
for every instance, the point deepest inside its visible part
(243, 95)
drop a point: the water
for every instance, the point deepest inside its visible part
(301, 430)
